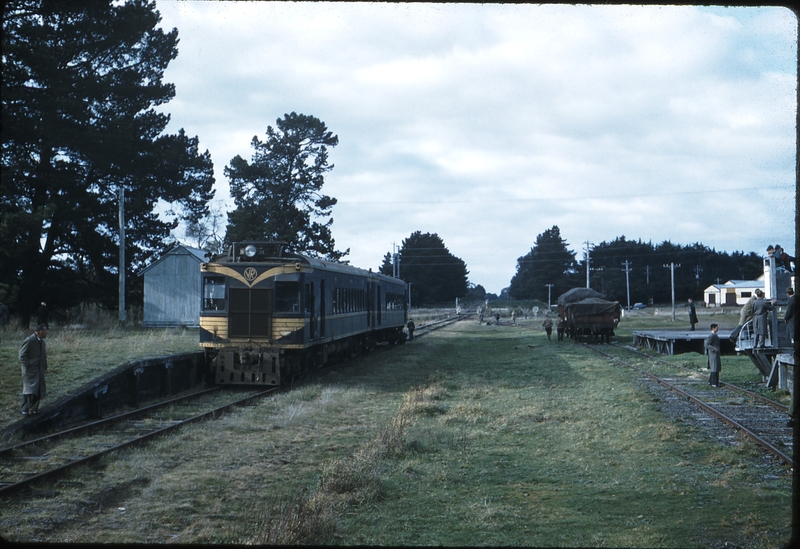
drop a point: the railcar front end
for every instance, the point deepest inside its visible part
(267, 315)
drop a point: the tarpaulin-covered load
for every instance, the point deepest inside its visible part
(593, 306)
(585, 313)
(578, 294)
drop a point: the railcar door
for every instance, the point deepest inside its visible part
(250, 312)
(311, 310)
(379, 303)
(322, 309)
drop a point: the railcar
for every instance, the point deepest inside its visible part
(269, 314)
(586, 314)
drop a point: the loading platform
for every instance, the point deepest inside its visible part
(673, 342)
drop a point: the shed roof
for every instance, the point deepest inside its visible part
(743, 284)
(179, 249)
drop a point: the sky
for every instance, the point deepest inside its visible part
(488, 124)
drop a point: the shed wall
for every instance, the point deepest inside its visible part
(172, 292)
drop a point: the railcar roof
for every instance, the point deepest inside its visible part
(318, 263)
(338, 266)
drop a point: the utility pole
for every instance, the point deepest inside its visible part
(122, 316)
(697, 270)
(671, 268)
(395, 262)
(549, 288)
(648, 274)
(588, 263)
(627, 270)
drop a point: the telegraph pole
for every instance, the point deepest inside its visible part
(697, 270)
(122, 316)
(627, 270)
(549, 288)
(588, 263)
(671, 268)
(395, 261)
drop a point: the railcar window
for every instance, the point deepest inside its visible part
(287, 297)
(394, 301)
(348, 300)
(213, 293)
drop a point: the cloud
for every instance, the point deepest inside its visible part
(490, 123)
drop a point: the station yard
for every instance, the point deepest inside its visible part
(473, 435)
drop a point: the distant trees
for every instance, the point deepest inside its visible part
(436, 275)
(278, 194)
(700, 266)
(548, 262)
(387, 267)
(81, 83)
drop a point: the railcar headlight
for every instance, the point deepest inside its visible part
(250, 251)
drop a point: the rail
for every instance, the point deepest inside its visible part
(51, 473)
(772, 418)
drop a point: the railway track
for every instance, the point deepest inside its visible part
(760, 419)
(50, 457)
(424, 329)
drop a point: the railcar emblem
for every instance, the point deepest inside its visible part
(250, 274)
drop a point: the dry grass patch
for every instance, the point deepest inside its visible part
(352, 480)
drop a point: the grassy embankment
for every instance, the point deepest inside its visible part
(474, 435)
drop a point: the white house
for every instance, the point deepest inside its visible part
(172, 291)
(732, 293)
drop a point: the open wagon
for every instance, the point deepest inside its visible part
(586, 314)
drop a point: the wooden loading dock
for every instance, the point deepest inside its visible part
(670, 342)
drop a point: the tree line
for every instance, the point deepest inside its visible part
(615, 267)
(87, 164)
(86, 159)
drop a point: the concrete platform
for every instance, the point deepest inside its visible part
(673, 342)
(127, 385)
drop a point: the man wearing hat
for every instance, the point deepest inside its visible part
(761, 309)
(33, 356)
(745, 315)
(712, 348)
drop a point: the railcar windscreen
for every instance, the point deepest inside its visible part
(287, 297)
(213, 293)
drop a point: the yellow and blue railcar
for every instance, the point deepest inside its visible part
(269, 314)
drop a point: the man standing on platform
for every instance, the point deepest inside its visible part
(761, 309)
(33, 356)
(692, 314)
(745, 315)
(712, 347)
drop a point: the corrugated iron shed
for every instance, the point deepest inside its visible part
(172, 292)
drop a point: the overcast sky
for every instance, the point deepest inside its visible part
(488, 124)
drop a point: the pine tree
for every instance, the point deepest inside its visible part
(436, 276)
(278, 195)
(81, 81)
(548, 262)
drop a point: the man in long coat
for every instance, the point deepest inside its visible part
(33, 356)
(712, 347)
(692, 315)
(761, 309)
(745, 315)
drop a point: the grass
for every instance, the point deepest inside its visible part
(473, 435)
(76, 356)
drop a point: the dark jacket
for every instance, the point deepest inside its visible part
(712, 348)
(33, 356)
